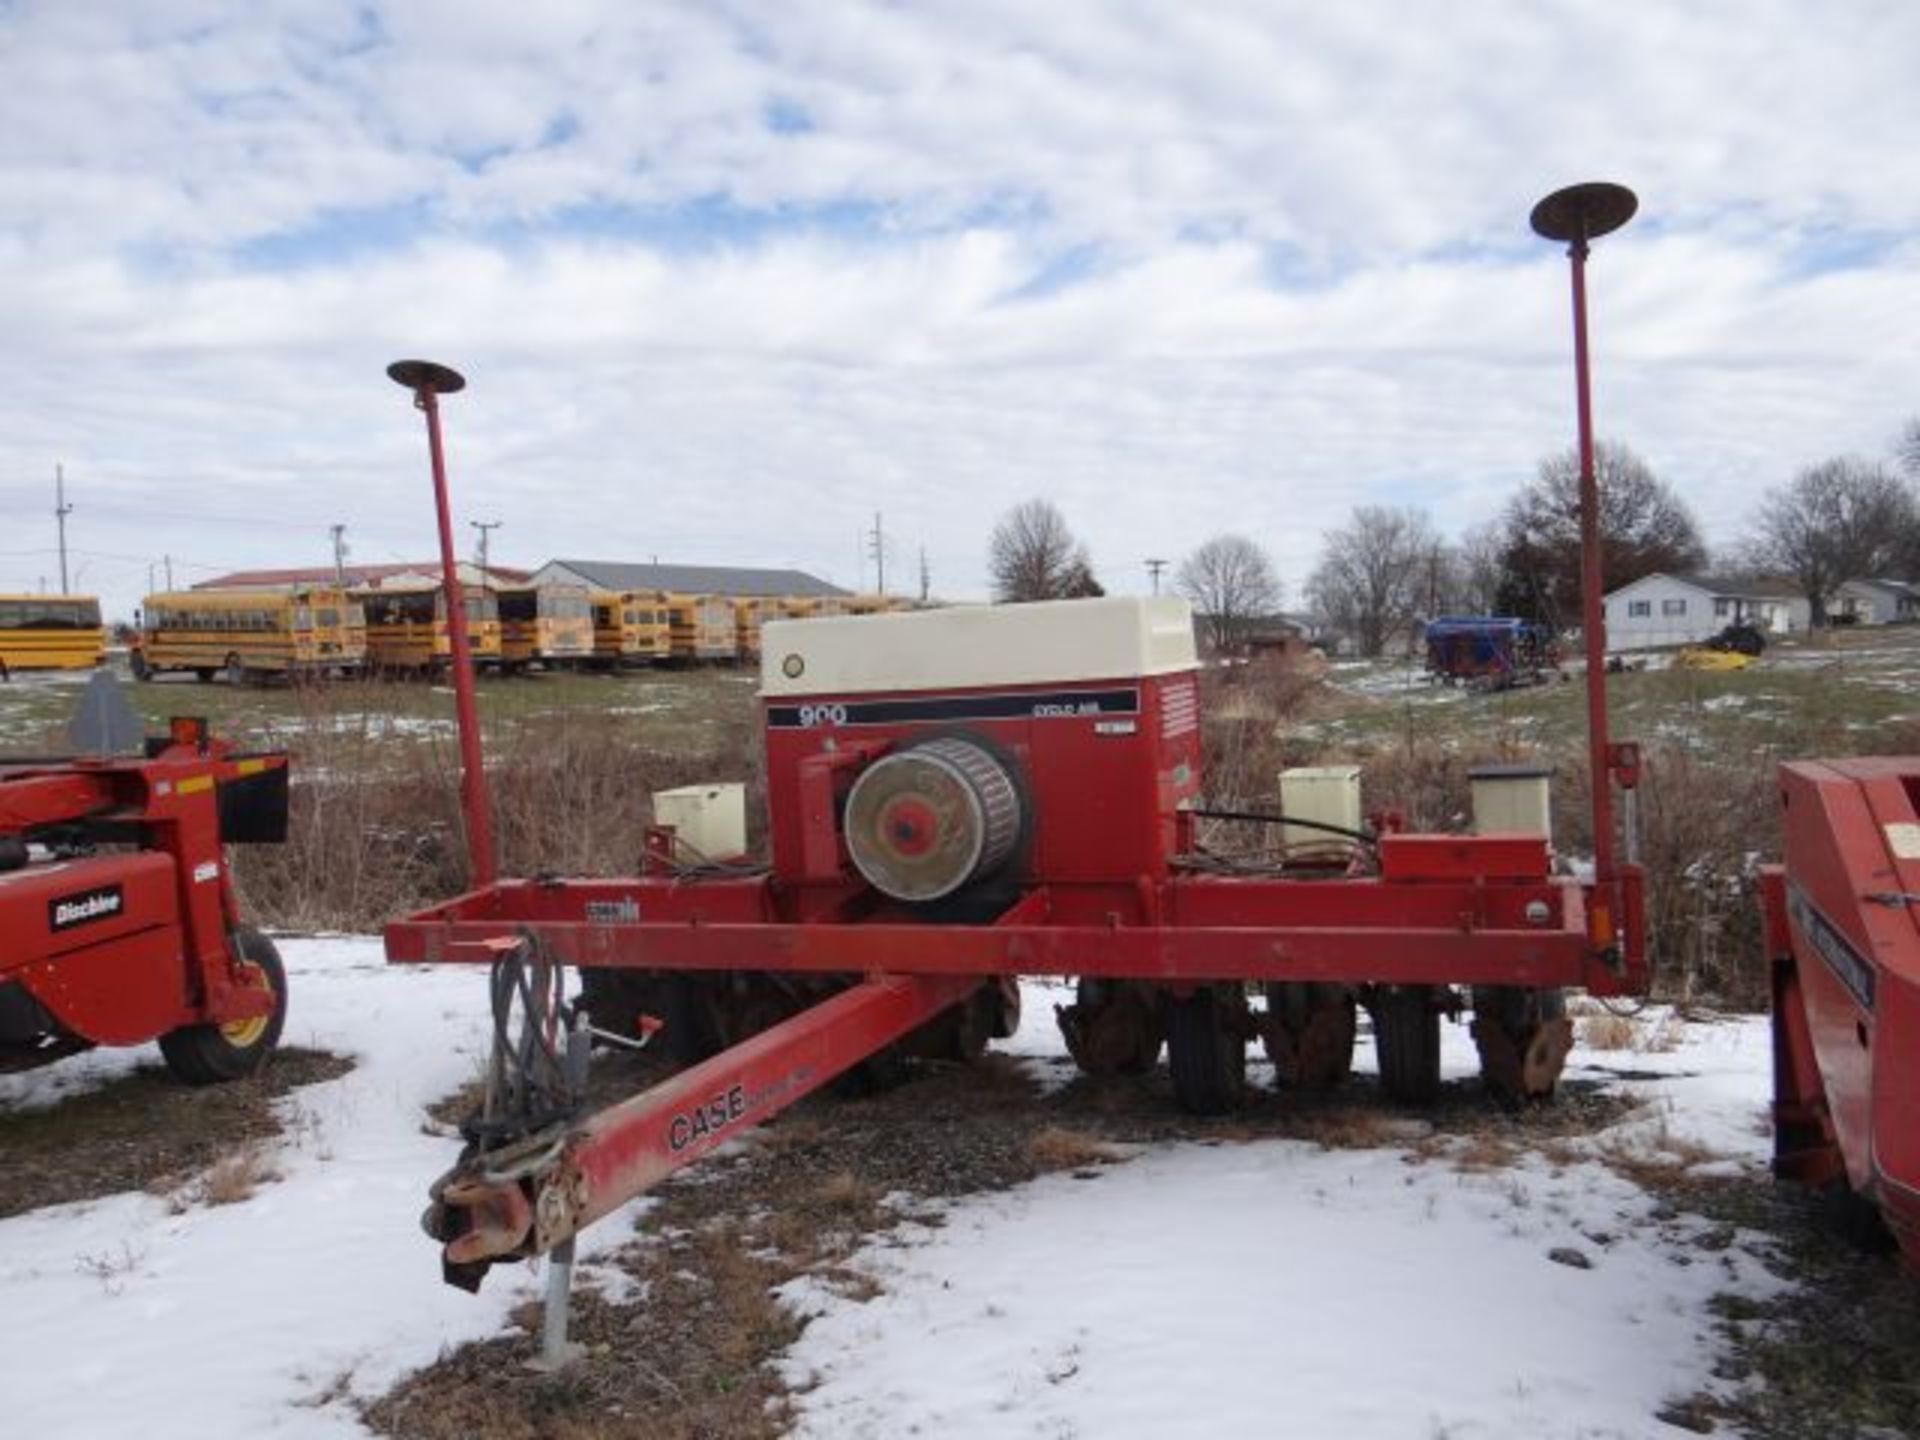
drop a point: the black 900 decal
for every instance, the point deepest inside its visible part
(1024, 705)
(66, 911)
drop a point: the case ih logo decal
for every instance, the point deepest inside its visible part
(1048, 705)
(625, 911)
(708, 1118)
(67, 911)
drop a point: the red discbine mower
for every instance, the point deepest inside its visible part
(1842, 933)
(117, 916)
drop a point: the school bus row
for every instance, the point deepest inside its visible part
(50, 632)
(245, 635)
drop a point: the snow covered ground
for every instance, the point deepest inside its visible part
(123, 1318)
(1276, 1288)
(1264, 1287)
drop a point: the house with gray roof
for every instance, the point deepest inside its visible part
(1869, 601)
(1659, 609)
(683, 579)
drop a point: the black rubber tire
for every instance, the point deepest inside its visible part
(1406, 1040)
(204, 675)
(204, 1054)
(137, 664)
(1207, 1050)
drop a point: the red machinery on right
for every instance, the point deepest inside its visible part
(1845, 946)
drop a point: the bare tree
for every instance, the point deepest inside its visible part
(1907, 448)
(1370, 582)
(1644, 528)
(1033, 556)
(1833, 522)
(1479, 554)
(1231, 583)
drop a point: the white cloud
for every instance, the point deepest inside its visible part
(1183, 268)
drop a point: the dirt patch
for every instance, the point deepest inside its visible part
(148, 1131)
(693, 1353)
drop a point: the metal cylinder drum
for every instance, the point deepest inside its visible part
(923, 822)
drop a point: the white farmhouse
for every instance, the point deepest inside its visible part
(1658, 610)
(1875, 602)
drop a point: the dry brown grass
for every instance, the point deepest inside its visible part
(1246, 711)
(1606, 1031)
(147, 1131)
(375, 827)
(235, 1177)
(1055, 1147)
(846, 1193)
(1655, 1157)
(1482, 1154)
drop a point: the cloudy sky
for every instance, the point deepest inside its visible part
(727, 278)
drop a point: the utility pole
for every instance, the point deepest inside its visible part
(61, 509)
(878, 543)
(167, 560)
(339, 533)
(150, 577)
(1154, 567)
(485, 527)
(926, 576)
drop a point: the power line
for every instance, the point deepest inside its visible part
(1154, 567)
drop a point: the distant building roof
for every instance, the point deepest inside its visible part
(695, 579)
(1893, 587)
(1721, 586)
(361, 575)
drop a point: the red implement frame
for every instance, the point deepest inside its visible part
(1441, 910)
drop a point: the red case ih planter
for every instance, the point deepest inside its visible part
(958, 797)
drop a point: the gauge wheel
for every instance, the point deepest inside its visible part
(1207, 1050)
(208, 1054)
(1406, 1039)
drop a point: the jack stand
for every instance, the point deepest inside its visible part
(557, 1352)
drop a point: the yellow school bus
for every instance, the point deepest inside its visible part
(50, 632)
(871, 604)
(548, 624)
(749, 614)
(248, 634)
(700, 627)
(407, 626)
(630, 627)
